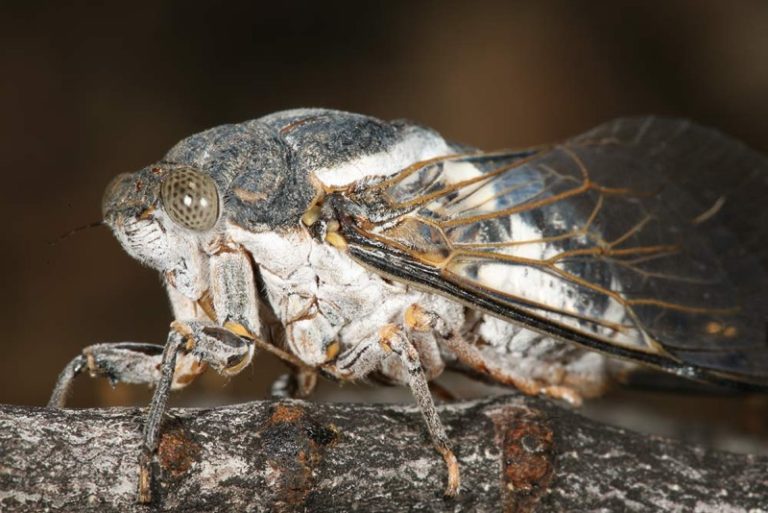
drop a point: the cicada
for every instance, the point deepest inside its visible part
(355, 248)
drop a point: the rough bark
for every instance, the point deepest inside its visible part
(516, 454)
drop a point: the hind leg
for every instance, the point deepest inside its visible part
(483, 363)
(300, 382)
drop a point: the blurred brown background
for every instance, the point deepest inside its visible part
(90, 90)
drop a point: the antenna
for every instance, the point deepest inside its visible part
(95, 224)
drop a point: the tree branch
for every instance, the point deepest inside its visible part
(516, 454)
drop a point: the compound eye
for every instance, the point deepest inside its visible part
(190, 198)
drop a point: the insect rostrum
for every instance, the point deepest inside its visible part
(386, 251)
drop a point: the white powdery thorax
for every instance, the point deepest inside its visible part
(299, 271)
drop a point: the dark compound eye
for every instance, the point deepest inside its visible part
(190, 198)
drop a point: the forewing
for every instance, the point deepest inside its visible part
(645, 238)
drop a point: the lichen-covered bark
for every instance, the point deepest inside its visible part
(516, 454)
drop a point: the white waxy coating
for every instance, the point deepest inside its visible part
(534, 283)
(416, 146)
(350, 304)
(346, 302)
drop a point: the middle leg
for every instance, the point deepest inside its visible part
(368, 356)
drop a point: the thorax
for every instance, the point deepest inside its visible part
(302, 275)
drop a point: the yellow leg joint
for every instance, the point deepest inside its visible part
(417, 319)
(332, 351)
(239, 330)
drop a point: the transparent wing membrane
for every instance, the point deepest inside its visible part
(646, 238)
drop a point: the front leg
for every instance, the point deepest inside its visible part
(190, 348)
(225, 342)
(230, 302)
(221, 331)
(392, 341)
(218, 347)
